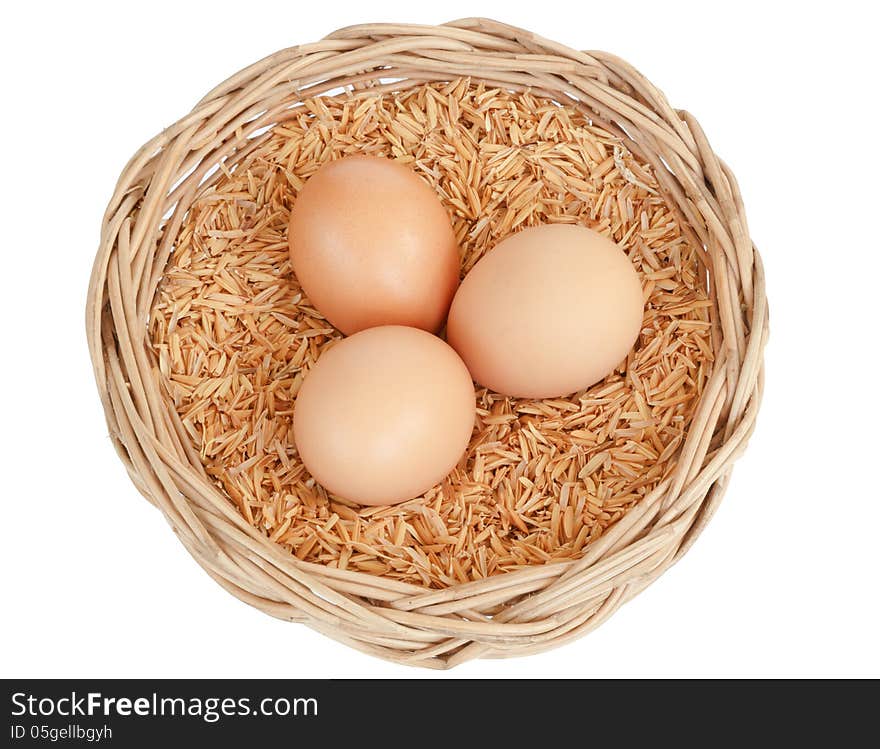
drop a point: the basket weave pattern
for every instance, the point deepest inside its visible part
(515, 613)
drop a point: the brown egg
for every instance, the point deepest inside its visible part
(548, 311)
(371, 244)
(384, 415)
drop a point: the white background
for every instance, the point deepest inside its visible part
(784, 580)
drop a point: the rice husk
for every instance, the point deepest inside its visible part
(234, 335)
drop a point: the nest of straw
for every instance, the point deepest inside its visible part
(561, 509)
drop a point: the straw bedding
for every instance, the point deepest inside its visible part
(234, 336)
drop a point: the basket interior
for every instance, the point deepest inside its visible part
(234, 336)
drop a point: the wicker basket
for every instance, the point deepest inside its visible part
(510, 614)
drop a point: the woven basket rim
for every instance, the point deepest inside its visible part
(535, 608)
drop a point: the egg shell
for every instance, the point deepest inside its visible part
(371, 244)
(547, 312)
(384, 415)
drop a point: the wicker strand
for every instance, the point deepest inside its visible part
(516, 613)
